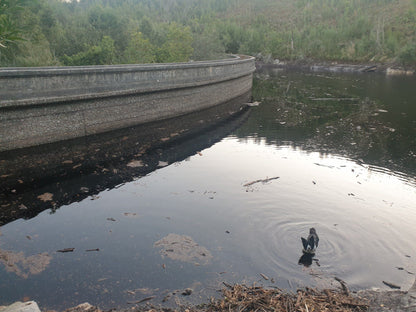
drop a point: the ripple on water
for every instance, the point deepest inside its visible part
(365, 229)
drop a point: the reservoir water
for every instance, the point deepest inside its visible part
(148, 212)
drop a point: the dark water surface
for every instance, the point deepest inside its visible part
(342, 146)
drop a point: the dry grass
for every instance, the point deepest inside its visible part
(243, 298)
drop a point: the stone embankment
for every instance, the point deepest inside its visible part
(50, 104)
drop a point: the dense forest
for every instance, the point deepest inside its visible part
(57, 32)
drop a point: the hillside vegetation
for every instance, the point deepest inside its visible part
(88, 32)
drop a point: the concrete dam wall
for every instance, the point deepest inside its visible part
(49, 104)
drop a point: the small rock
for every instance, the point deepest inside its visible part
(84, 307)
(30, 306)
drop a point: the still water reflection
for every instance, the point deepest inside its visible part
(230, 204)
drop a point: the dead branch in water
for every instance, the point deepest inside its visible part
(260, 180)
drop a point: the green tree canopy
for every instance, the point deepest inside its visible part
(178, 44)
(140, 50)
(10, 30)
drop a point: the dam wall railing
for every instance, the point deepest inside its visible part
(48, 104)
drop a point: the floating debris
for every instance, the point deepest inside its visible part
(135, 164)
(183, 248)
(343, 286)
(66, 250)
(264, 276)
(391, 285)
(46, 197)
(96, 249)
(334, 99)
(253, 104)
(142, 300)
(260, 180)
(111, 219)
(130, 214)
(23, 266)
(143, 291)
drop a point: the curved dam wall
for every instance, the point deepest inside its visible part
(49, 104)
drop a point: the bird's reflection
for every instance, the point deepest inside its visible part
(306, 259)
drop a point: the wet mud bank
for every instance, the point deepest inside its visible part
(335, 67)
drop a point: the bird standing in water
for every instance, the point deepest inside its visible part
(310, 244)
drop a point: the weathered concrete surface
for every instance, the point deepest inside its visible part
(30, 306)
(43, 105)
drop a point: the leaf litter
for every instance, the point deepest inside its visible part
(135, 164)
(45, 197)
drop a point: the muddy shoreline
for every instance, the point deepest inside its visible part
(337, 67)
(240, 297)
